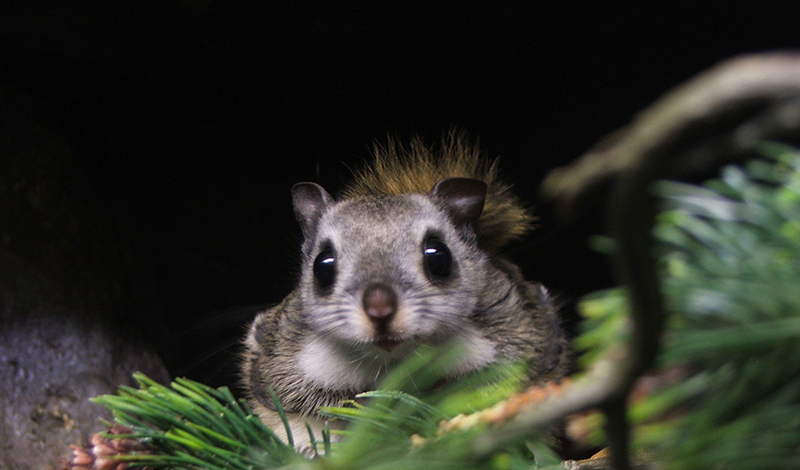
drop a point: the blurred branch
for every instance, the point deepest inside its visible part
(714, 119)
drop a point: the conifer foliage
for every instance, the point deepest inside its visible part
(727, 379)
(730, 363)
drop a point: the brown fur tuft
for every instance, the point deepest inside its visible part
(415, 168)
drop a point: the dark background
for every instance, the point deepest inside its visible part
(192, 119)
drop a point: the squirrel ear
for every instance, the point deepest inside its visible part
(462, 198)
(309, 201)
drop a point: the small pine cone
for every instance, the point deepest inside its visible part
(101, 455)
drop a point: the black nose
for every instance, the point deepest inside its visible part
(380, 304)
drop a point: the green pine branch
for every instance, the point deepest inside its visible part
(730, 261)
(190, 425)
(729, 369)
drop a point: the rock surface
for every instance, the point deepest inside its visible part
(68, 296)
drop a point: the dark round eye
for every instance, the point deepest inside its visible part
(325, 268)
(437, 258)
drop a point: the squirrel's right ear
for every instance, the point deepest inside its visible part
(462, 198)
(309, 201)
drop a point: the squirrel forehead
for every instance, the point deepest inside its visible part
(396, 216)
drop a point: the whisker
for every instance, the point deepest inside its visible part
(360, 359)
(220, 318)
(209, 356)
(411, 379)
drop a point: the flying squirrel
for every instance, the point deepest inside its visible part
(410, 255)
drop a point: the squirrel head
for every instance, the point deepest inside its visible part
(385, 272)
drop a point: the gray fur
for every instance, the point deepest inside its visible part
(316, 347)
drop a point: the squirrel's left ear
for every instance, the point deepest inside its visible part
(309, 200)
(462, 198)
